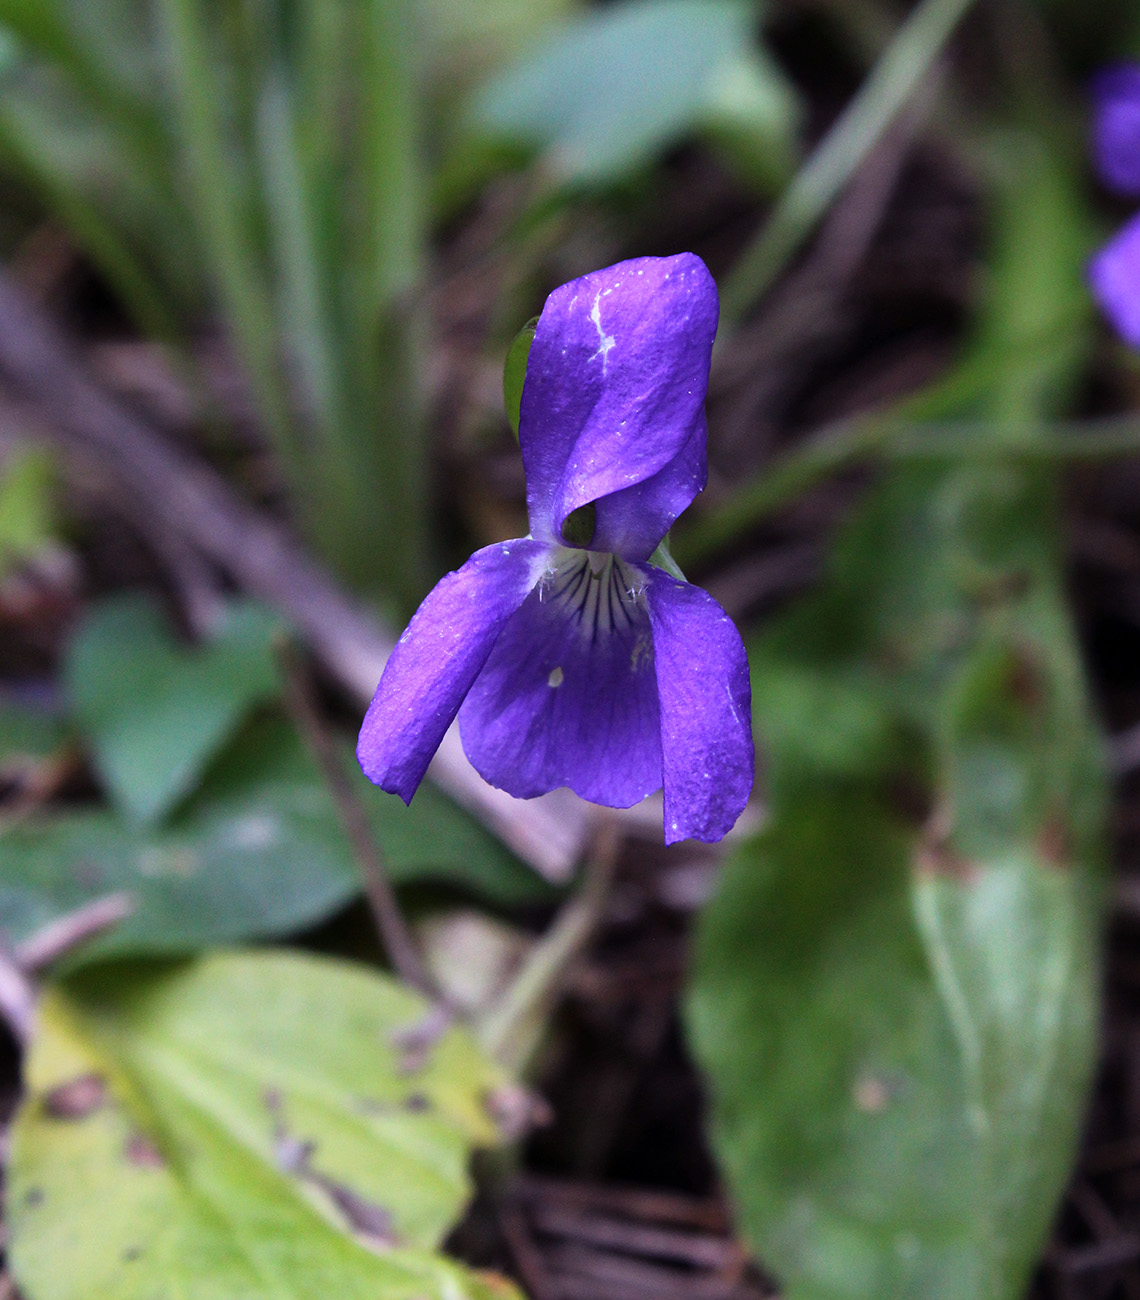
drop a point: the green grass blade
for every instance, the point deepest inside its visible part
(900, 69)
(303, 310)
(44, 27)
(390, 252)
(385, 252)
(222, 210)
(856, 439)
(134, 282)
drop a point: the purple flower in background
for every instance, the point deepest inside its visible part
(1115, 271)
(1116, 130)
(570, 659)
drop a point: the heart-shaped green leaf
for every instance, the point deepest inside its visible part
(895, 990)
(603, 94)
(898, 1055)
(245, 1125)
(258, 851)
(155, 712)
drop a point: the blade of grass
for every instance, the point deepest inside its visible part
(43, 26)
(304, 313)
(899, 70)
(390, 251)
(136, 286)
(385, 261)
(1077, 440)
(220, 207)
(874, 434)
(342, 491)
(324, 39)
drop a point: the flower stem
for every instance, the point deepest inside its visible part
(510, 1031)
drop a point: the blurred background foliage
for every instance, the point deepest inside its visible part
(325, 220)
(284, 166)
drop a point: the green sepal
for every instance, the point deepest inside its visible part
(514, 372)
(662, 558)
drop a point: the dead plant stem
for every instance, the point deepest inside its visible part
(395, 934)
(510, 1031)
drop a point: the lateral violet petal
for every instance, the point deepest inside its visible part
(615, 382)
(568, 695)
(706, 717)
(632, 522)
(1116, 128)
(1115, 276)
(439, 655)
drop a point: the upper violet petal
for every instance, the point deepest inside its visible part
(706, 718)
(632, 522)
(568, 695)
(615, 382)
(1116, 127)
(1115, 276)
(438, 657)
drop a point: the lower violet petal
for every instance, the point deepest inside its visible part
(568, 695)
(1115, 277)
(438, 657)
(706, 714)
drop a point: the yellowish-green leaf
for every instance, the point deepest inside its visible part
(249, 1125)
(27, 509)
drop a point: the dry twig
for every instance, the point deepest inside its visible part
(47, 945)
(395, 933)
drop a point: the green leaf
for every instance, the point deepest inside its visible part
(662, 558)
(257, 852)
(514, 372)
(899, 1055)
(156, 713)
(1043, 237)
(467, 39)
(895, 997)
(245, 1125)
(752, 116)
(27, 506)
(604, 94)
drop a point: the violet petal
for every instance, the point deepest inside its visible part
(633, 521)
(615, 383)
(568, 696)
(1115, 276)
(1116, 128)
(438, 657)
(706, 719)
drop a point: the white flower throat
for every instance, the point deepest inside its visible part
(601, 593)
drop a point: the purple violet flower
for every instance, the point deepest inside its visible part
(581, 663)
(1115, 271)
